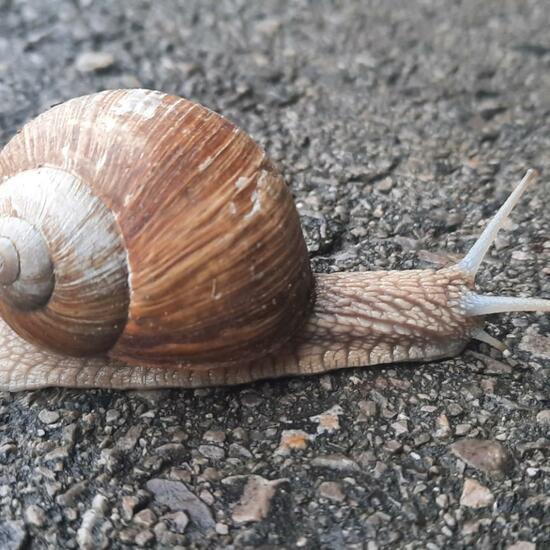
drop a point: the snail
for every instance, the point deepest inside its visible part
(145, 241)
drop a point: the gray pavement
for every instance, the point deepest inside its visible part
(401, 127)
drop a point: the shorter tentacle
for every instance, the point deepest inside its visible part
(479, 334)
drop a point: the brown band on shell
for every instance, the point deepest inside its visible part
(71, 291)
(218, 266)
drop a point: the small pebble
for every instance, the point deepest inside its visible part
(100, 504)
(144, 538)
(112, 415)
(178, 521)
(70, 496)
(475, 495)
(292, 440)
(443, 428)
(145, 518)
(212, 452)
(214, 436)
(255, 501)
(222, 529)
(89, 62)
(522, 545)
(328, 421)
(543, 417)
(48, 417)
(486, 455)
(369, 409)
(332, 491)
(400, 427)
(338, 462)
(442, 501)
(176, 496)
(462, 429)
(128, 505)
(34, 515)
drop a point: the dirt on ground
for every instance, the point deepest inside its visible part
(401, 126)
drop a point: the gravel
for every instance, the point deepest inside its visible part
(401, 126)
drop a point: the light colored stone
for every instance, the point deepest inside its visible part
(368, 409)
(337, 462)
(212, 452)
(255, 502)
(331, 490)
(177, 520)
(128, 505)
(482, 454)
(13, 535)
(69, 497)
(34, 515)
(48, 417)
(462, 429)
(543, 417)
(144, 538)
(521, 256)
(222, 529)
(475, 495)
(443, 428)
(535, 343)
(89, 62)
(522, 545)
(59, 453)
(145, 518)
(329, 420)
(129, 440)
(100, 504)
(400, 427)
(112, 415)
(84, 535)
(292, 440)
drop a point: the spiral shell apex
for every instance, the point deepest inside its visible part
(146, 227)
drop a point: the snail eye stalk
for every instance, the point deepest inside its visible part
(476, 304)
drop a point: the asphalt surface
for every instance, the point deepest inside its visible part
(401, 127)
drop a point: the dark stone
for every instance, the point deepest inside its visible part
(177, 496)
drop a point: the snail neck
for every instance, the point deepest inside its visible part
(360, 319)
(369, 318)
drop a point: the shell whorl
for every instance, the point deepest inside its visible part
(64, 275)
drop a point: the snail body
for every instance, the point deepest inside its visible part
(146, 241)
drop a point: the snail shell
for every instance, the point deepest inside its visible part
(149, 228)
